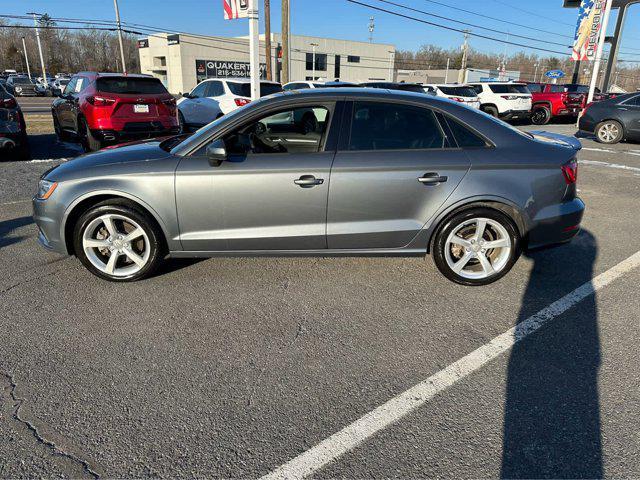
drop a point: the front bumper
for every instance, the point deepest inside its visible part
(48, 214)
(556, 224)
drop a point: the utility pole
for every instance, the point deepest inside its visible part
(462, 75)
(596, 64)
(446, 72)
(26, 59)
(285, 42)
(391, 52)
(267, 38)
(371, 27)
(313, 60)
(115, 5)
(35, 23)
(535, 73)
(254, 49)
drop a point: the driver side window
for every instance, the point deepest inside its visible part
(71, 86)
(297, 130)
(199, 91)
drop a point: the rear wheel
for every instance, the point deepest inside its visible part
(118, 242)
(476, 247)
(609, 131)
(87, 139)
(493, 111)
(540, 115)
(60, 133)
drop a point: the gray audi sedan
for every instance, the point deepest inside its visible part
(320, 172)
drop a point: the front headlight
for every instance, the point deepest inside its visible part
(18, 89)
(46, 188)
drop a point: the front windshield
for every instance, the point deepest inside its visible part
(22, 80)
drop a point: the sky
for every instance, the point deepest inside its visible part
(344, 20)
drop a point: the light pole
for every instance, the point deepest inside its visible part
(391, 52)
(535, 74)
(446, 72)
(26, 59)
(254, 50)
(35, 23)
(313, 60)
(115, 5)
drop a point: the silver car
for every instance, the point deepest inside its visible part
(320, 172)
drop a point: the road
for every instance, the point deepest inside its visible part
(236, 367)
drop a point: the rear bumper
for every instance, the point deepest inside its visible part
(119, 136)
(556, 224)
(568, 111)
(515, 114)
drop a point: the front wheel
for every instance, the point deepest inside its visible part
(118, 242)
(609, 132)
(476, 247)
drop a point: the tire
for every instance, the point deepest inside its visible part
(540, 115)
(482, 265)
(609, 132)
(23, 152)
(135, 258)
(493, 111)
(87, 140)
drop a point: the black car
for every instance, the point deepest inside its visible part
(405, 87)
(614, 119)
(21, 85)
(13, 130)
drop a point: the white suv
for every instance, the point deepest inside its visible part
(506, 100)
(215, 97)
(458, 93)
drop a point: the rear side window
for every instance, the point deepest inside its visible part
(464, 136)
(215, 89)
(387, 126)
(502, 88)
(124, 85)
(534, 88)
(459, 91)
(477, 88)
(244, 89)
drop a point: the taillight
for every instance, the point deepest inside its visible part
(509, 97)
(97, 101)
(170, 102)
(570, 172)
(457, 99)
(240, 102)
(9, 103)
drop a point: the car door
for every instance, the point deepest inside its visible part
(630, 116)
(390, 176)
(189, 107)
(64, 106)
(271, 192)
(209, 105)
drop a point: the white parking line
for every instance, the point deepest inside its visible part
(15, 203)
(609, 165)
(607, 150)
(398, 407)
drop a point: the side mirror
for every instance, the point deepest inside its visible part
(216, 152)
(187, 95)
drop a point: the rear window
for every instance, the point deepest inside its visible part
(535, 88)
(502, 88)
(411, 88)
(136, 86)
(459, 91)
(576, 88)
(244, 89)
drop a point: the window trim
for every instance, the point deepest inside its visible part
(433, 110)
(447, 118)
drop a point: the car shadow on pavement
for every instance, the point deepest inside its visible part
(552, 413)
(47, 147)
(8, 226)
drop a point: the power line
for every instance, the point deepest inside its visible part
(506, 4)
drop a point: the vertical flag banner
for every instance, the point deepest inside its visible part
(585, 42)
(235, 9)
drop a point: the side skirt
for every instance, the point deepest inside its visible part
(372, 252)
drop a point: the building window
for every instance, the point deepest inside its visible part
(321, 61)
(353, 59)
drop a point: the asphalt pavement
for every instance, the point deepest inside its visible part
(235, 367)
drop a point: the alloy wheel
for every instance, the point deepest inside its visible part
(116, 245)
(478, 248)
(608, 132)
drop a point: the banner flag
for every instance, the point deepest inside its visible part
(585, 42)
(235, 9)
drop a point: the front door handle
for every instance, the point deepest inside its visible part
(307, 181)
(432, 178)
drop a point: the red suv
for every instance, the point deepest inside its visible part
(101, 109)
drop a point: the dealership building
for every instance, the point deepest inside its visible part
(181, 61)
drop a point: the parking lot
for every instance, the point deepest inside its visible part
(237, 367)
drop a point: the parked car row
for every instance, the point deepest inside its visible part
(13, 130)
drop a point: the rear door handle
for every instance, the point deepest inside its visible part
(306, 181)
(432, 178)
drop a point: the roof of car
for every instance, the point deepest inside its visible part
(238, 80)
(115, 74)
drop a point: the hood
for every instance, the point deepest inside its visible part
(145, 151)
(557, 139)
